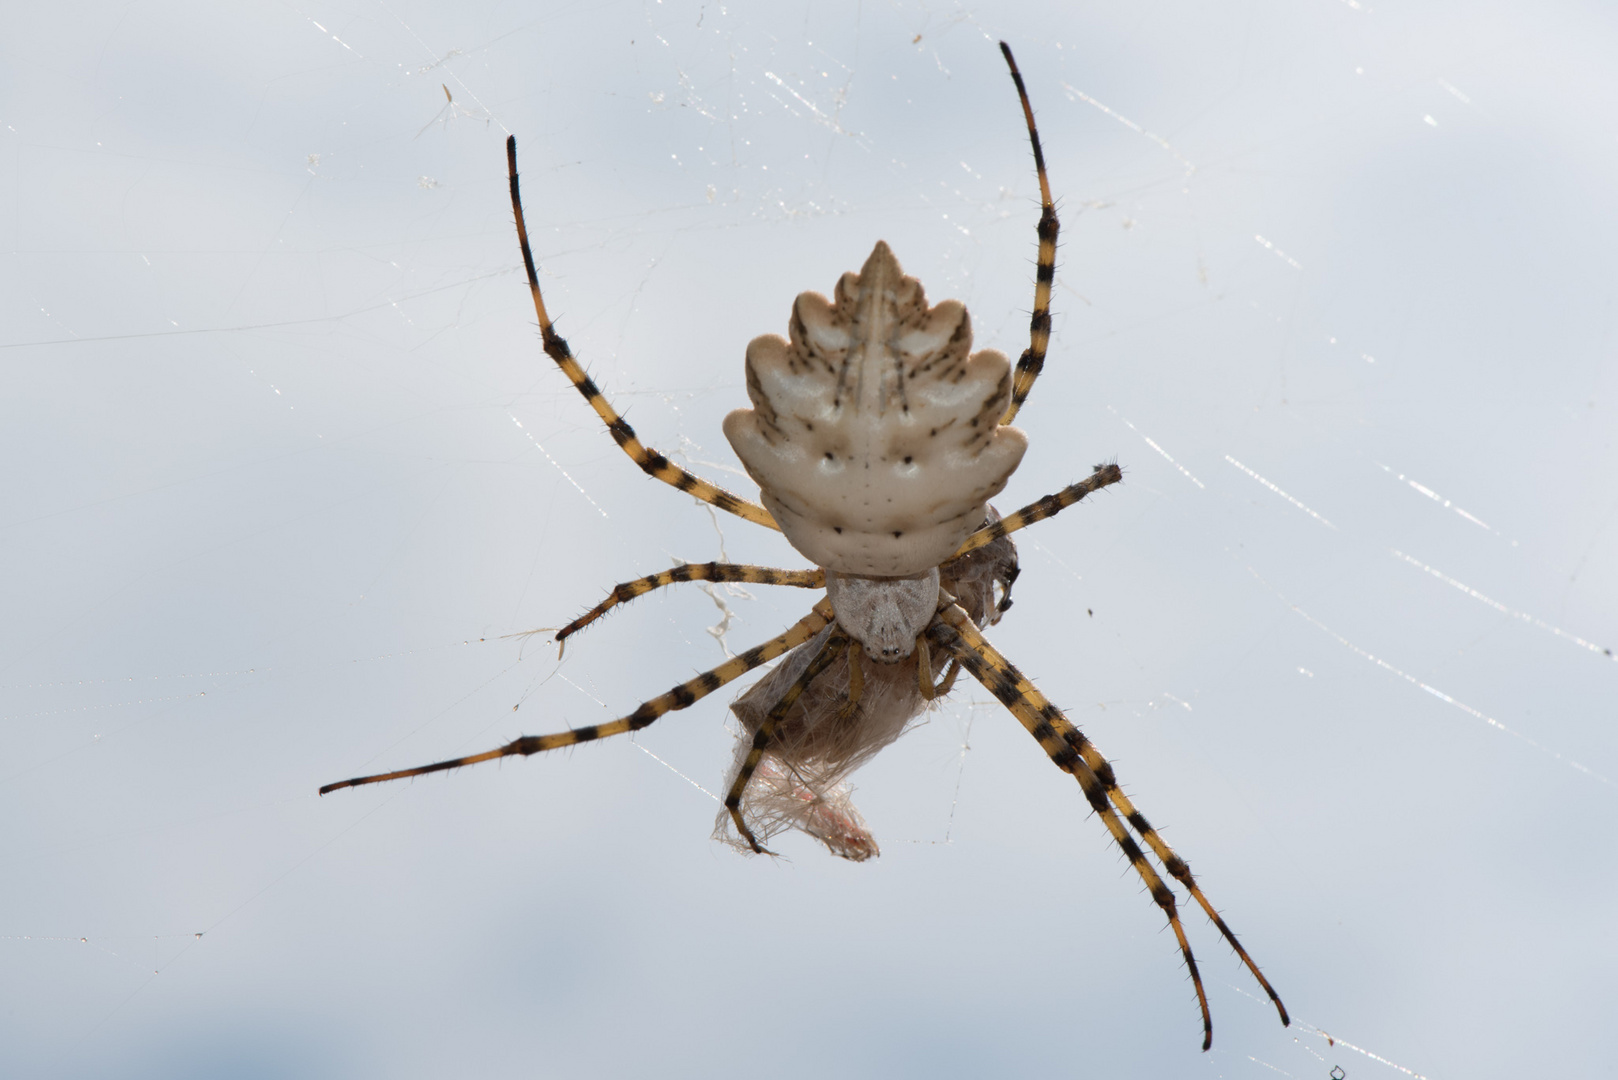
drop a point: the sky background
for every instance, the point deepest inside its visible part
(286, 467)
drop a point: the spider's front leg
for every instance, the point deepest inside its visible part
(795, 755)
(1073, 753)
(683, 696)
(765, 735)
(1037, 715)
(856, 686)
(924, 666)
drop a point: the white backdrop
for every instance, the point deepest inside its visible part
(285, 463)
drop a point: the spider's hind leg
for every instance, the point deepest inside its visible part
(651, 462)
(1032, 360)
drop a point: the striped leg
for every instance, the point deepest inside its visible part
(682, 696)
(1049, 506)
(1039, 325)
(835, 644)
(1019, 696)
(1165, 854)
(711, 571)
(1102, 769)
(924, 673)
(651, 462)
(1074, 753)
(856, 686)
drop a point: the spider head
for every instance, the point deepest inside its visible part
(885, 615)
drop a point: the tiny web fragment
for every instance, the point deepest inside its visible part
(1278, 253)
(1076, 94)
(1498, 606)
(1433, 690)
(540, 446)
(1379, 1059)
(1149, 442)
(1279, 492)
(1437, 498)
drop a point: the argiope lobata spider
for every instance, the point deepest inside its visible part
(877, 438)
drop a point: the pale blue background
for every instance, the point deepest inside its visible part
(267, 512)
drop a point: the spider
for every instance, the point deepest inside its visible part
(876, 438)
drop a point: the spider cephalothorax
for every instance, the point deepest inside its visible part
(849, 713)
(877, 438)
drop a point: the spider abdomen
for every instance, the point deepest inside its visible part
(874, 434)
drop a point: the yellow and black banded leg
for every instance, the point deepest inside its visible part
(1019, 696)
(651, 462)
(711, 571)
(1165, 854)
(1076, 754)
(1176, 866)
(924, 672)
(1039, 324)
(830, 651)
(682, 696)
(856, 685)
(1047, 507)
(950, 630)
(924, 669)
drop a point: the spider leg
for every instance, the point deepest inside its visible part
(924, 670)
(856, 686)
(1028, 705)
(682, 696)
(1039, 325)
(1073, 752)
(1172, 862)
(651, 462)
(711, 571)
(1165, 854)
(1049, 506)
(835, 644)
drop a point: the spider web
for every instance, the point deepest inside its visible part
(288, 467)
